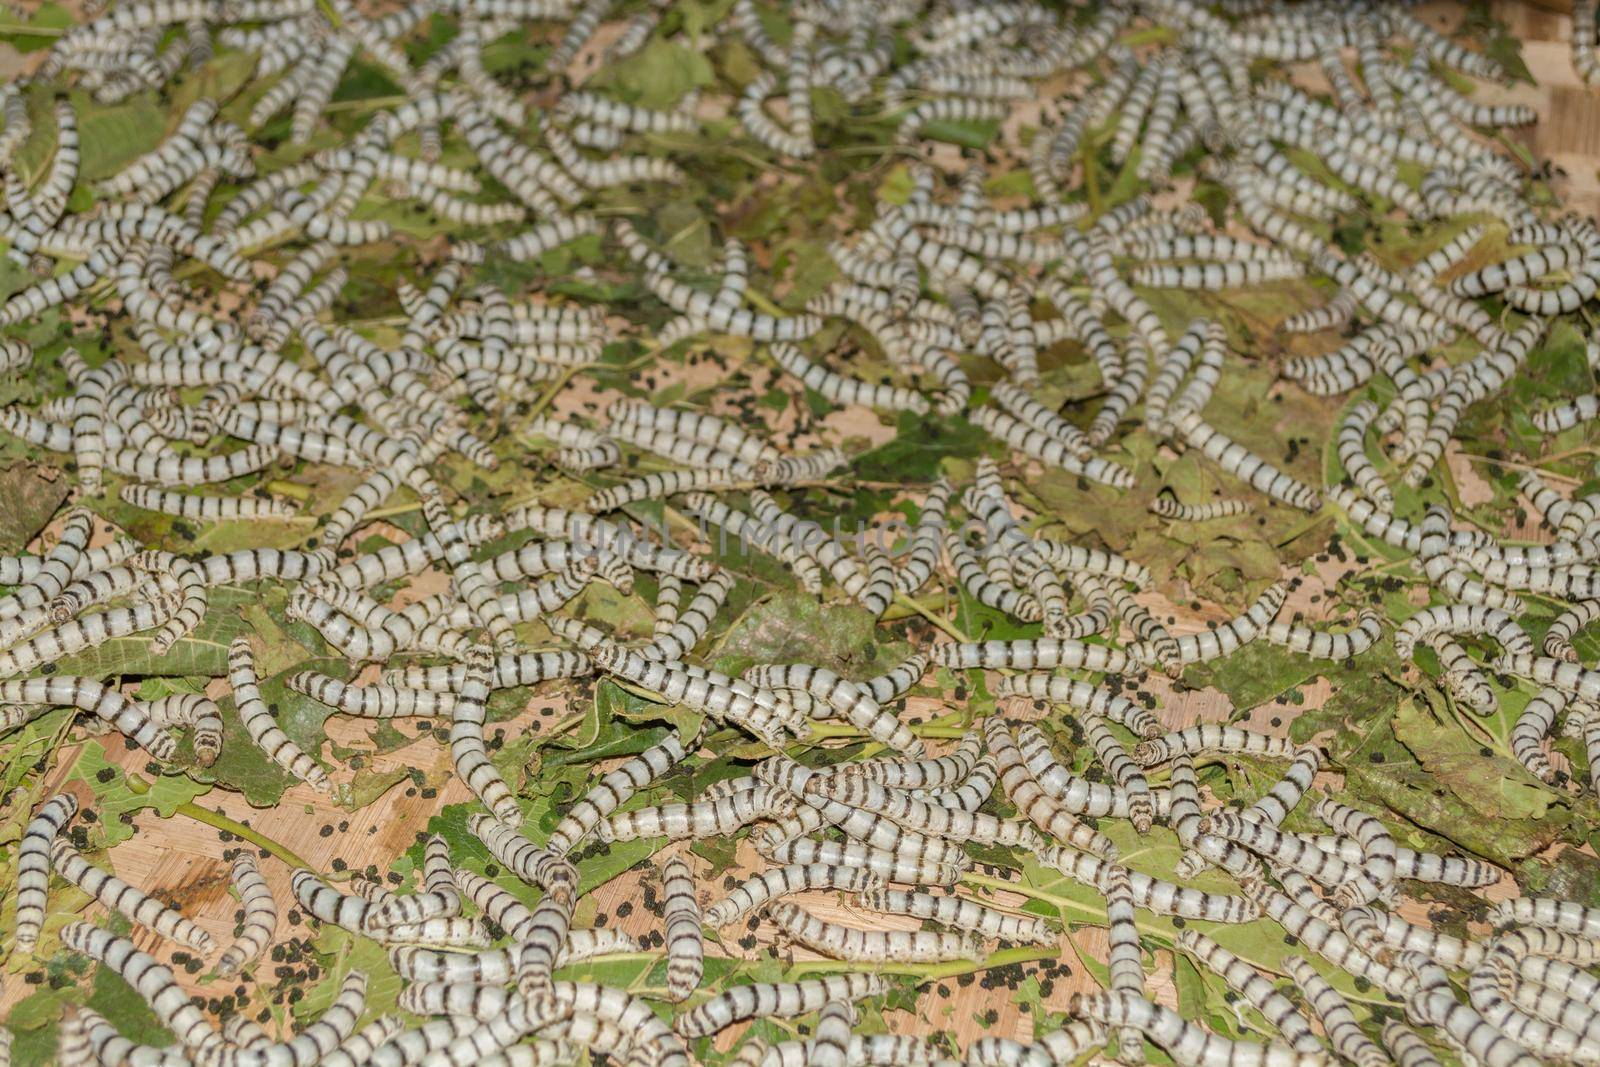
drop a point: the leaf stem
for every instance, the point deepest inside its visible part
(220, 821)
(929, 972)
(938, 621)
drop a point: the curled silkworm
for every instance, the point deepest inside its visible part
(614, 789)
(1239, 461)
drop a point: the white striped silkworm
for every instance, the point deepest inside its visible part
(1284, 850)
(1124, 960)
(1050, 811)
(1212, 738)
(1153, 894)
(1227, 637)
(1406, 1047)
(891, 866)
(258, 916)
(1185, 1042)
(783, 1000)
(1278, 1010)
(439, 895)
(1168, 506)
(536, 866)
(1237, 460)
(847, 700)
(1319, 644)
(614, 789)
(756, 890)
(851, 943)
(1040, 654)
(205, 508)
(153, 981)
(959, 912)
(101, 700)
(954, 824)
(33, 866)
(260, 722)
(121, 897)
(196, 712)
(1349, 1042)
(1374, 929)
(681, 917)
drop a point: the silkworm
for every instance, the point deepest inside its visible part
(958, 912)
(685, 950)
(260, 722)
(848, 700)
(534, 865)
(953, 824)
(102, 701)
(1078, 795)
(924, 774)
(153, 981)
(692, 621)
(33, 866)
(1338, 1021)
(1124, 959)
(196, 712)
(756, 890)
(1319, 644)
(1230, 635)
(1374, 929)
(121, 897)
(1405, 1046)
(1282, 849)
(258, 916)
(1570, 678)
(614, 789)
(1279, 1011)
(1185, 1042)
(891, 866)
(1040, 654)
(1167, 505)
(439, 895)
(88, 632)
(783, 1000)
(1153, 894)
(1049, 449)
(1050, 811)
(850, 943)
(370, 701)
(205, 508)
(1320, 936)
(1211, 738)
(1233, 458)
